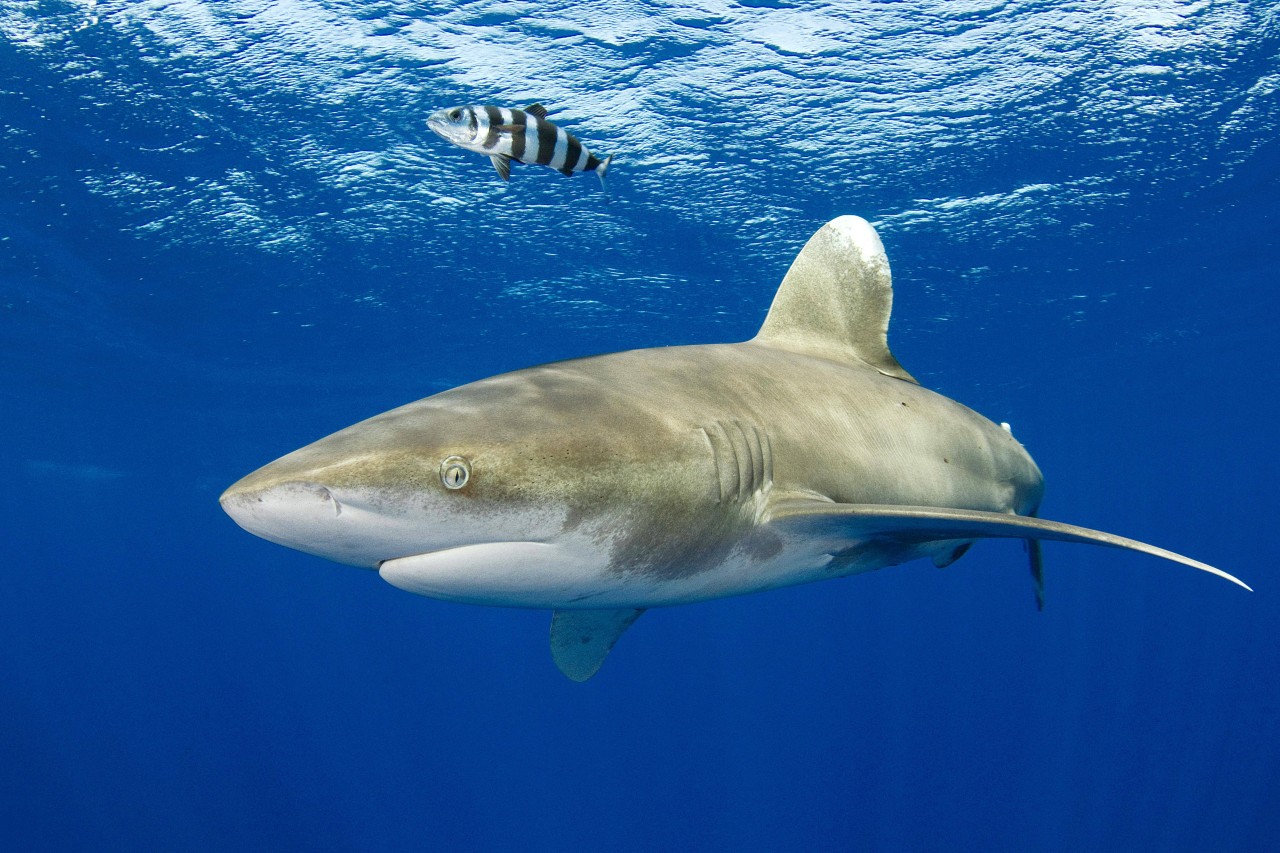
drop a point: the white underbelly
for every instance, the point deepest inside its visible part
(577, 576)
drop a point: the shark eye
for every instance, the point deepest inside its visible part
(455, 472)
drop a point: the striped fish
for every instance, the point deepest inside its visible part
(505, 134)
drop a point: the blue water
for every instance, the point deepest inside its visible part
(225, 231)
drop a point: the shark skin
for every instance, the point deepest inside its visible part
(604, 486)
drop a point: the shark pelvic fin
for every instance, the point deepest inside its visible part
(836, 298)
(582, 639)
(852, 525)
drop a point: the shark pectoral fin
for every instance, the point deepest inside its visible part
(857, 523)
(582, 639)
(502, 163)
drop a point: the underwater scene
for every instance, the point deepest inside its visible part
(693, 425)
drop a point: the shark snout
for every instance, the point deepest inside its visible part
(282, 502)
(246, 503)
(299, 514)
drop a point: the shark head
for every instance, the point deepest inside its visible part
(514, 490)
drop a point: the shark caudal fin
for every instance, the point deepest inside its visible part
(836, 299)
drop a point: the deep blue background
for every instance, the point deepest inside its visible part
(225, 233)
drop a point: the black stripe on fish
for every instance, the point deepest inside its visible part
(573, 153)
(546, 142)
(518, 120)
(593, 162)
(495, 121)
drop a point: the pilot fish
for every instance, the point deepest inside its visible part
(505, 134)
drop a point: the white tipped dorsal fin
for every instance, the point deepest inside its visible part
(836, 299)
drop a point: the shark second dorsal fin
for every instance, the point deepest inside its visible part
(836, 299)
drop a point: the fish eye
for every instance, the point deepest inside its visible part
(455, 114)
(455, 472)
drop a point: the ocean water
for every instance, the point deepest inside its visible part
(225, 231)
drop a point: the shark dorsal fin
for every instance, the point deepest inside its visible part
(835, 300)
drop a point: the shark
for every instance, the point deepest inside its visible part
(602, 487)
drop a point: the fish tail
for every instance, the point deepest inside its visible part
(602, 169)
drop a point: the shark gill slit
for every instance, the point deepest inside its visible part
(757, 458)
(732, 471)
(766, 457)
(742, 452)
(716, 462)
(752, 453)
(733, 439)
(754, 463)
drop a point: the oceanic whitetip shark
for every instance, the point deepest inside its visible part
(604, 486)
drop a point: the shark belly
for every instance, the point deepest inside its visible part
(542, 575)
